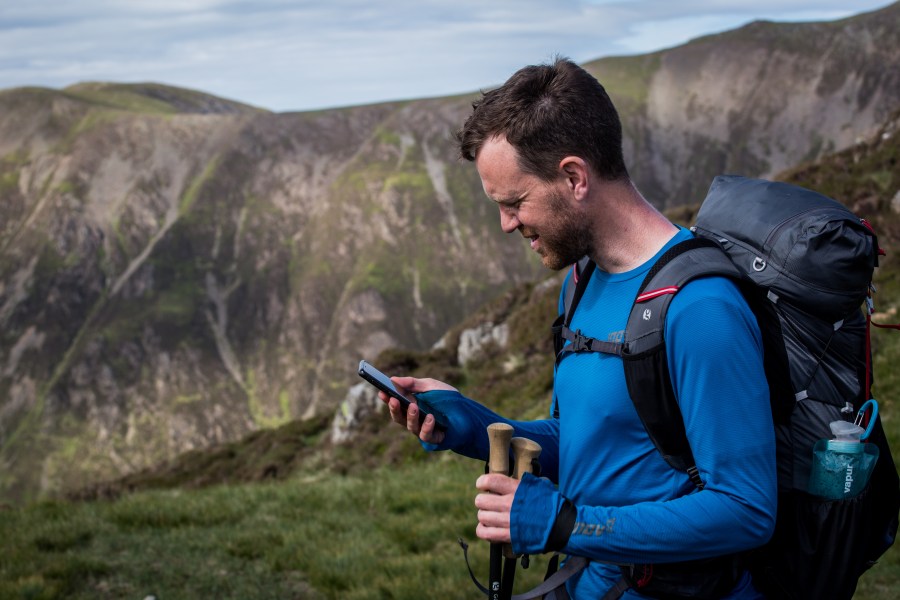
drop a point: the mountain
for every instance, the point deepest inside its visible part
(177, 270)
(755, 100)
(502, 354)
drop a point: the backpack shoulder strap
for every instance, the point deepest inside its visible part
(581, 275)
(682, 263)
(644, 353)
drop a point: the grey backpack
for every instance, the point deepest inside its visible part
(804, 263)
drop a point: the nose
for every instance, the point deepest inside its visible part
(509, 220)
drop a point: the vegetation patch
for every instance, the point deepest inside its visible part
(627, 79)
(9, 182)
(121, 97)
(259, 411)
(166, 510)
(196, 185)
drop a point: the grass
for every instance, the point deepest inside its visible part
(389, 533)
(385, 533)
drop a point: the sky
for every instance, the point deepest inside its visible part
(295, 55)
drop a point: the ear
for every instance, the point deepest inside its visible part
(577, 175)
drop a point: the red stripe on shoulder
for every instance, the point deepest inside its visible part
(657, 293)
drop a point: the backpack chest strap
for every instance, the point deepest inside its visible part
(584, 343)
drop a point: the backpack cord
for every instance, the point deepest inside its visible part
(870, 308)
(819, 359)
(868, 388)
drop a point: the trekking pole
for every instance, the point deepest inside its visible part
(524, 452)
(499, 436)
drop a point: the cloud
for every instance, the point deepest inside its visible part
(297, 54)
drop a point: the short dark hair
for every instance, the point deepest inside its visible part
(548, 112)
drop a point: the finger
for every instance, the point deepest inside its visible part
(429, 433)
(412, 419)
(494, 502)
(397, 414)
(404, 384)
(493, 534)
(489, 518)
(497, 483)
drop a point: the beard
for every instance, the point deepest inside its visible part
(565, 237)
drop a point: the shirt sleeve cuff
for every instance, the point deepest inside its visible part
(535, 506)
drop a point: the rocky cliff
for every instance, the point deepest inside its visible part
(173, 277)
(756, 100)
(178, 269)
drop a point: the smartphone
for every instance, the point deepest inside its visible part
(384, 383)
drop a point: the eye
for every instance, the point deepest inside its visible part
(511, 207)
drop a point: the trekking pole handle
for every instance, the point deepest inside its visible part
(499, 436)
(524, 452)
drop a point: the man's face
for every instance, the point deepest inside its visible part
(541, 211)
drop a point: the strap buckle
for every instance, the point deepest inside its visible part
(581, 343)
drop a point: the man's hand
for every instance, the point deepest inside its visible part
(407, 386)
(494, 505)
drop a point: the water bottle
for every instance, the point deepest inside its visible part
(842, 466)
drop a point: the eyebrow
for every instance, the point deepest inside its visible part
(510, 199)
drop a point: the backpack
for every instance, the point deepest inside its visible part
(804, 264)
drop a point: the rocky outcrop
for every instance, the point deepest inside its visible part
(472, 341)
(360, 402)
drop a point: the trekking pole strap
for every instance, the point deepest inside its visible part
(556, 580)
(573, 565)
(465, 549)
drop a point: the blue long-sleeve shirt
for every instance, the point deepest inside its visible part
(632, 507)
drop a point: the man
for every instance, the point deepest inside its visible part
(547, 146)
